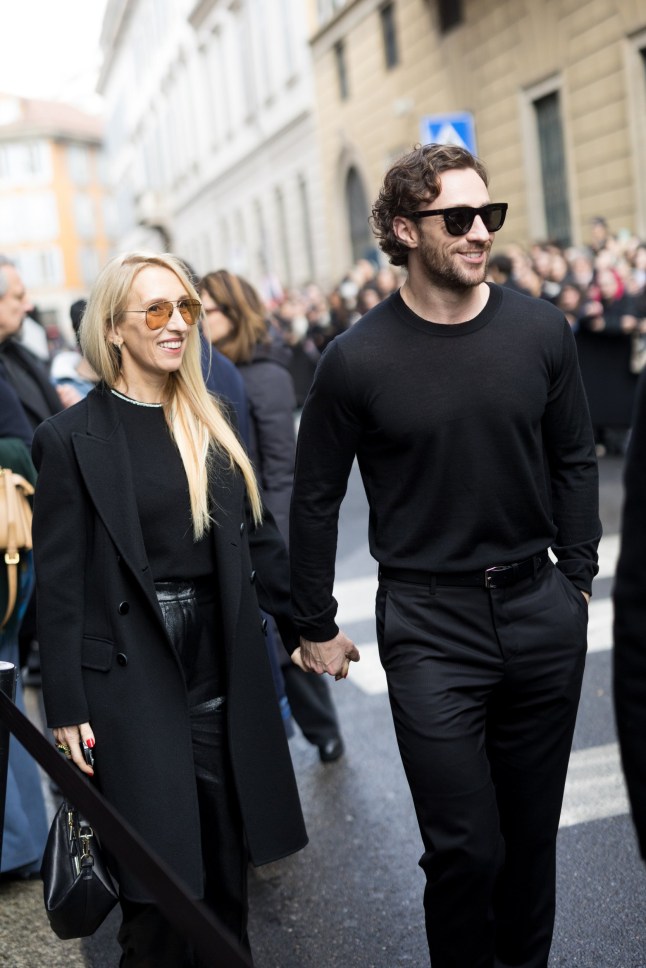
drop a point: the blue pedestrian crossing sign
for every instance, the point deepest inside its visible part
(449, 129)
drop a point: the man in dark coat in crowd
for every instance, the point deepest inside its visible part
(18, 366)
(630, 621)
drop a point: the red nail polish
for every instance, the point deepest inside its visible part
(90, 742)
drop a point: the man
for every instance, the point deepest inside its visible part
(629, 654)
(18, 366)
(463, 404)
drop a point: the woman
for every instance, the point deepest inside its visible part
(152, 648)
(235, 323)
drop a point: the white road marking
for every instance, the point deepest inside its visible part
(595, 787)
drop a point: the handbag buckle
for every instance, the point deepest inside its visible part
(11, 557)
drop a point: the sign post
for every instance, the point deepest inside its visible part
(449, 129)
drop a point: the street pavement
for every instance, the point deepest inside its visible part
(353, 897)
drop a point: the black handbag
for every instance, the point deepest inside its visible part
(78, 889)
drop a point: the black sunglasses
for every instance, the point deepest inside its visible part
(458, 221)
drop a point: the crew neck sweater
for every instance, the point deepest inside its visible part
(473, 441)
(161, 492)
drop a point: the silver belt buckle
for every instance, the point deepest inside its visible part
(490, 575)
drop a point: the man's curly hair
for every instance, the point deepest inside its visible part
(414, 179)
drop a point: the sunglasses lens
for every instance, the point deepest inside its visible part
(459, 221)
(189, 310)
(493, 217)
(158, 315)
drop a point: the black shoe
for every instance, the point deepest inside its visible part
(331, 750)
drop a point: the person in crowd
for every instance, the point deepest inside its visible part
(600, 235)
(606, 325)
(463, 404)
(629, 598)
(25, 818)
(13, 420)
(237, 325)
(70, 371)
(569, 301)
(20, 368)
(501, 271)
(147, 517)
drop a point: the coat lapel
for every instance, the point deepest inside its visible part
(104, 462)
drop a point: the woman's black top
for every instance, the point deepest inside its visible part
(161, 491)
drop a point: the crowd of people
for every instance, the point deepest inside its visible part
(151, 486)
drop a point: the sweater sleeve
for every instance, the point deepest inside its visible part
(570, 451)
(327, 443)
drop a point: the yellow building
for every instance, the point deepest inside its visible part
(551, 93)
(55, 219)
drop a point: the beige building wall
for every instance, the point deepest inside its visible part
(501, 57)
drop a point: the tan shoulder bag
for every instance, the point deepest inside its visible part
(15, 529)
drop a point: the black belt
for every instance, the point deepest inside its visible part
(497, 576)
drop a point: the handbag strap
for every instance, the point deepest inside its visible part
(215, 943)
(12, 590)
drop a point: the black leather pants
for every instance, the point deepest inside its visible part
(147, 938)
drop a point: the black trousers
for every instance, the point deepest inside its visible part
(148, 940)
(484, 687)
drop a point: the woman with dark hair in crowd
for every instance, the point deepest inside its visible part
(235, 321)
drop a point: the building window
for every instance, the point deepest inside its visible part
(78, 161)
(389, 34)
(341, 71)
(286, 268)
(88, 265)
(553, 174)
(450, 12)
(307, 228)
(361, 239)
(84, 216)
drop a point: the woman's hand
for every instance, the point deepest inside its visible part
(70, 738)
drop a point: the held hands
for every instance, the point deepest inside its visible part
(333, 657)
(70, 738)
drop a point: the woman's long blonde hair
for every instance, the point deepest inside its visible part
(194, 418)
(243, 307)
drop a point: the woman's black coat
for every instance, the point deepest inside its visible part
(629, 655)
(106, 658)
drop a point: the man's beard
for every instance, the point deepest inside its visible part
(444, 271)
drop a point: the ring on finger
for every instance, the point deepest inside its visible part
(64, 748)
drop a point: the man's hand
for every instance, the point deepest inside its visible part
(333, 657)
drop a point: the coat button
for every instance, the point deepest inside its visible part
(124, 608)
(242, 528)
(122, 659)
(252, 576)
(263, 625)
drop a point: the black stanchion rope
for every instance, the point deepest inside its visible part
(214, 942)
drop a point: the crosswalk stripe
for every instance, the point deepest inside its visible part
(595, 787)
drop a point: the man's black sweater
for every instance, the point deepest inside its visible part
(473, 441)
